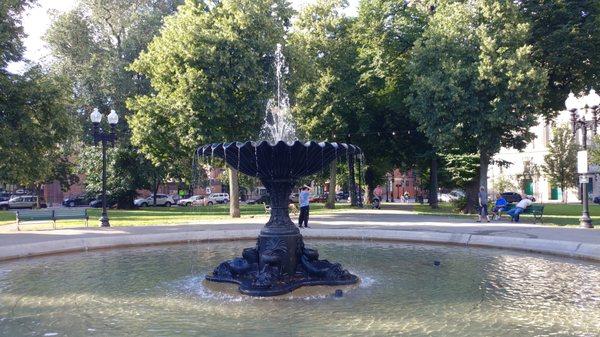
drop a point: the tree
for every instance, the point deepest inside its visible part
(211, 73)
(503, 184)
(325, 93)
(34, 122)
(560, 164)
(473, 83)
(11, 39)
(36, 128)
(92, 46)
(564, 34)
(386, 31)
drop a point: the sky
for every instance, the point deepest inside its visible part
(37, 19)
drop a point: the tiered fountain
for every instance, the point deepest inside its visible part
(280, 262)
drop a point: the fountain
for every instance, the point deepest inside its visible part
(280, 262)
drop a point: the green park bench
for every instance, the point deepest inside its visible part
(537, 210)
(51, 215)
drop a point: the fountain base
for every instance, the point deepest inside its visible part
(266, 274)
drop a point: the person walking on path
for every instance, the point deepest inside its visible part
(483, 199)
(304, 206)
(519, 208)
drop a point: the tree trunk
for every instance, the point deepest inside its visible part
(156, 185)
(234, 191)
(433, 183)
(484, 161)
(38, 192)
(471, 192)
(332, 182)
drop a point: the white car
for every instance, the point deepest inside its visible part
(217, 198)
(448, 197)
(161, 200)
(194, 200)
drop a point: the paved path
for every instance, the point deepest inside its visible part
(397, 225)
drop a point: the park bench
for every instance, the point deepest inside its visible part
(51, 215)
(536, 210)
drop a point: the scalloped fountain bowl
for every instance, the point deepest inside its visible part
(280, 262)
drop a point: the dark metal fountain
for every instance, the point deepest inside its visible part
(280, 262)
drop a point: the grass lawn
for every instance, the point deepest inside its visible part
(554, 214)
(162, 215)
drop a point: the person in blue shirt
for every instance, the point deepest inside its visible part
(304, 199)
(499, 206)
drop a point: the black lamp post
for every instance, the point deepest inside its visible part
(104, 137)
(588, 105)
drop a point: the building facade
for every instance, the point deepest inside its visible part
(521, 171)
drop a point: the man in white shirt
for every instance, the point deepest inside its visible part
(519, 208)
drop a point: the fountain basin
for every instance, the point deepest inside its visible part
(157, 291)
(280, 160)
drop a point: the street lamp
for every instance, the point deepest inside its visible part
(588, 106)
(101, 136)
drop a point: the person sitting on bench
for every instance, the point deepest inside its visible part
(519, 208)
(499, 206)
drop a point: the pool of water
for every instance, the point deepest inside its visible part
(159, 291)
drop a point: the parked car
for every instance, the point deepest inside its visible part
(97, 202)
(451, 196)
(512, 197)
(194, 200)
(341, 196)
(4, 196)
(263, 199)
(24, 201)
(161, 200)
(217, 198)
(81, 200)
(320, 197)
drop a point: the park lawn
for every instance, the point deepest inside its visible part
(554, 214)
(160, 215)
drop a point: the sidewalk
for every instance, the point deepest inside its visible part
(356, 224)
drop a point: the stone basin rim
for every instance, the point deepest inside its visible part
(568, 249)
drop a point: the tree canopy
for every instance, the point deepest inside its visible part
(473, 82)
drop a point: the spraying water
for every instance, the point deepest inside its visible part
(279, 124)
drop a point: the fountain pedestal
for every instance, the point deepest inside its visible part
(279, 262)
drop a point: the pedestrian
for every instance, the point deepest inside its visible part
(483, 211)
(378, 192)
(519, 208)
(304, 200)
(498, 206)
(406, 196)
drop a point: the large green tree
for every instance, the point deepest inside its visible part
(560, 164)
(11, 31)
(37, 129)
(211, 73)
(386, 31)
(565, 37)
(35, 124)
(92, 46)
(327, 100)
(473, 82)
